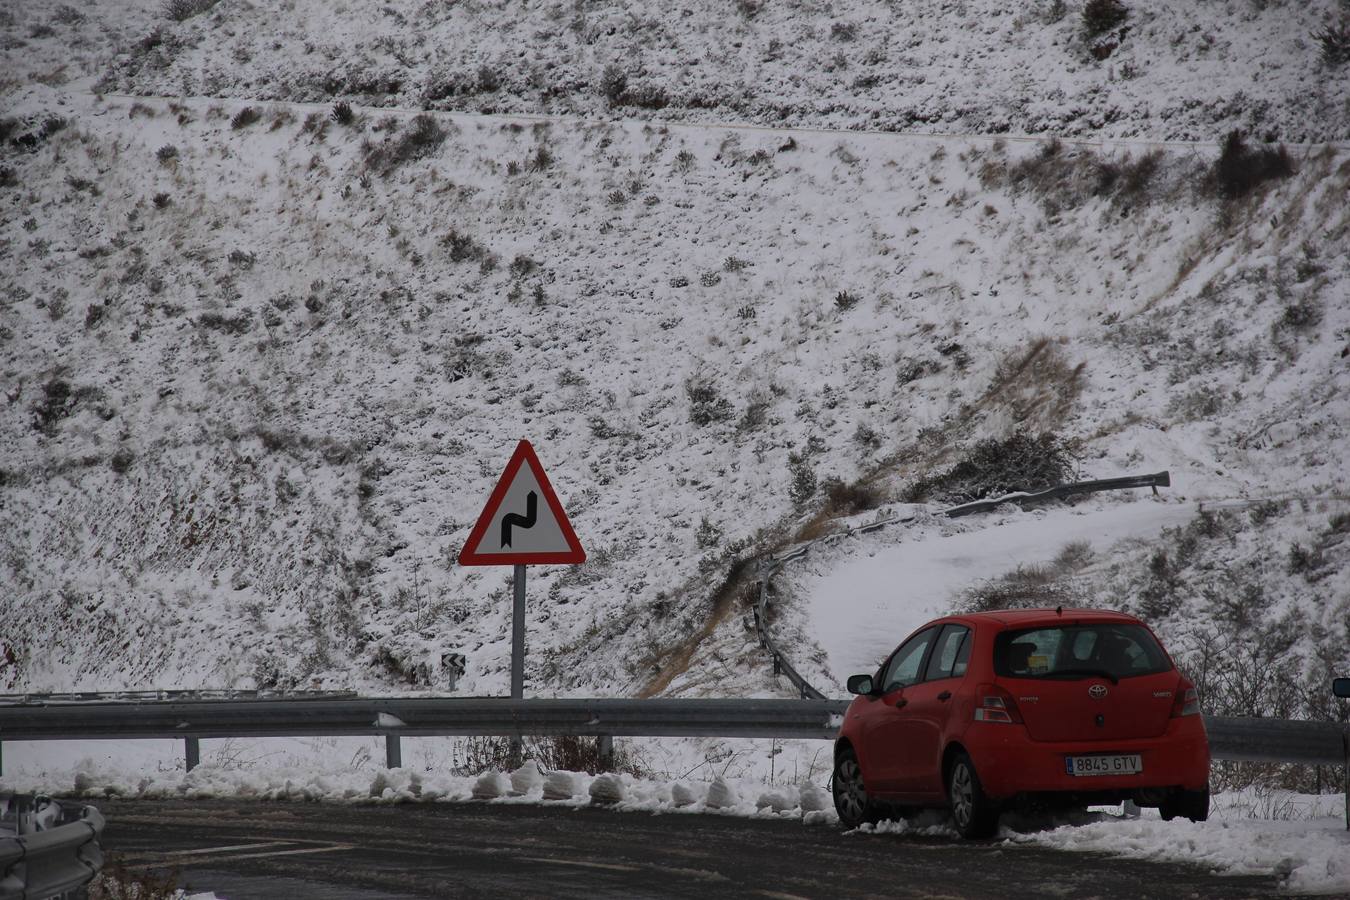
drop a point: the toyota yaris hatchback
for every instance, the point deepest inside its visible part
(1060, 708)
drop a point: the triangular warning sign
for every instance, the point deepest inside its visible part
(523, 522)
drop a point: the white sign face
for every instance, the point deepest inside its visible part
(523, 521)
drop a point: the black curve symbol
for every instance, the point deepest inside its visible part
(526, 521)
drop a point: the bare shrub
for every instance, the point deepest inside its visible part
(1101, 16)
(613, 83)
(1026, 587)
(121, 461)
(1034, 586)
(115, 881)
(1067, 178)
(706, 404)
(849, 498)
(1038, 386)
(561, 753)
(58, 401)
(993, 467)
(802, 478)
(167, 154)
(421, 138)
(462, 247)
(181, 10)
(1240, 168)
(342, 113)
(235, 325)
(1334, 43)
(244, 118)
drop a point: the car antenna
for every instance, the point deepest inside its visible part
(1059, 610)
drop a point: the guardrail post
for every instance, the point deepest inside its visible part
(193, 751)
(393, 752)
(2, 759)
(1345, 738)
(604, 745)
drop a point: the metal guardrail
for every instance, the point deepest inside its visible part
(394, 718)
(414, 716)
(54, 849)
(1249, 739)
(188, 694)
(770, 566)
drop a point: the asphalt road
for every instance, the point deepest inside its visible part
(244, 850)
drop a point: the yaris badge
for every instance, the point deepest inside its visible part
(1097, 691)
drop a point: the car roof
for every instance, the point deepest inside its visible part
(1021, 618)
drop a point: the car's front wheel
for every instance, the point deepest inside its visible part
(850, 794)
(976, 816)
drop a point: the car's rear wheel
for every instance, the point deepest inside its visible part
(976, 816)
(850, 793)
(1193, 805)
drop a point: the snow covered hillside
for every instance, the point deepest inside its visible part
(1191, 70)
(263, 361)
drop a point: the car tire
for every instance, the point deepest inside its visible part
(975, 815)
(850, 793)
(1193, 805)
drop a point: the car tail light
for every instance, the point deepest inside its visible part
(996, 705)
(1187, 702)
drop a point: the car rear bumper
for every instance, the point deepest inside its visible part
(1010, 763)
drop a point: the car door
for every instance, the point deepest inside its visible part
(921, 730)
(885, 719)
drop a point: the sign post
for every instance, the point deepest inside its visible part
(516, 529)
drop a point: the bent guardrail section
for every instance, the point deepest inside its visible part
(42, 862)
(772, 564)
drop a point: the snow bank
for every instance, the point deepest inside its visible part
(1308, 855)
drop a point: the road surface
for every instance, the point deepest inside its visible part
(243, 850)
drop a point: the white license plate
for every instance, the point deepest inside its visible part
(1130, 764)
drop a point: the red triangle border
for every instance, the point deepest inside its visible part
(469, 556)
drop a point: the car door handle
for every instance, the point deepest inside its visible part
(945, 695)
(901, 702)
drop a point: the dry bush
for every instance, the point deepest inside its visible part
(1101, 16)
(993, 467)
(1038, 387)
(1334, 43)
(116, 882)
(180, 10)
(561, 753)
(1241, 169)
(847, 499)
(1036, 586)
(421, 138)
(1066, 178)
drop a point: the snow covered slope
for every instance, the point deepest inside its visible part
(1187, 70)
(261, 368)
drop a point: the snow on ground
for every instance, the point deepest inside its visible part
(864, 598)
(1299, 838)
(1189, 70)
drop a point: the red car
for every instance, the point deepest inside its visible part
(1048, 707)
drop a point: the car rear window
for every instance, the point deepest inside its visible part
(1113, 650)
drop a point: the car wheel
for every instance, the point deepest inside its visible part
(1193, 805)
(975, 815)
(850, 794)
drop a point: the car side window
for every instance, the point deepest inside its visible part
(903, 669)
(950, 654)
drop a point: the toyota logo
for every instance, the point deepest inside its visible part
(1097, 691)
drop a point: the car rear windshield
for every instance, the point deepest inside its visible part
(1106, 650)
